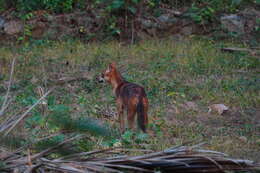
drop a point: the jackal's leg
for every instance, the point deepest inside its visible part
(120, 110)
(145, 103)
(131, 111)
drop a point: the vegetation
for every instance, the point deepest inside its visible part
(58, 6)
(173, 73)
(200, 11)
(183, 78)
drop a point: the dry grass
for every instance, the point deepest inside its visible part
(173, 73)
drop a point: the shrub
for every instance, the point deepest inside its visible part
(56, 6)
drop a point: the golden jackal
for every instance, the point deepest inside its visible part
(129, 96)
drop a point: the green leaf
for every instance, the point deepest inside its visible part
(127, 137)
(236, 2)
(211, 10)
(20, 38)
(135, 1)
(35, 119)
(60, 109)
(141, 137)
(132, 9)
(116, 4)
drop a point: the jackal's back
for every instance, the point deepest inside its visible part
(129, 90)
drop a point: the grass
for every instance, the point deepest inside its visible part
(172, 72)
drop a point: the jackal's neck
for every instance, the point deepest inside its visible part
(116, 81)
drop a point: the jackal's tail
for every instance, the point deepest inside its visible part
(141, 115)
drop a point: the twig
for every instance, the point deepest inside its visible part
(24, 160)
(86, 153)
(234, 49)
(6, 103)
(132, 32)
(26, 112)
(9, 120)
(69, 79)
(48, 137)
(41, 154)
(4, 107)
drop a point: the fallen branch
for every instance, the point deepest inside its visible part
(235, 49)
(179, 159)
(26, 113)
(6, 102)
(64, 80)
(251, 51)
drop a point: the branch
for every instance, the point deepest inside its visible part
(6, 102)
(26, 112)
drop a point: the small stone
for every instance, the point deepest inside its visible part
(13, 27)
(2, 22)
(219, 108)
(233, 23)
(164, 18)
(243, 139)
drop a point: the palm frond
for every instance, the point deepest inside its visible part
(181, 159)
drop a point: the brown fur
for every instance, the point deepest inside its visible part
(130, 97)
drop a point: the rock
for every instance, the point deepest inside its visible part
(148, 23)
(187, 30)
(50, 18)
(2, 22)
(241, 23)
(219, 108)
(233, 23)
(250, 16)
(161, 22)
(167, 19)
(164, 18)
(39, 28)
(13, 27)
(243, 139)
(250, 13)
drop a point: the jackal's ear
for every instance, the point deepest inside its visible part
(112, 65)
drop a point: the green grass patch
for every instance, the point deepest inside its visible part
(173, 73)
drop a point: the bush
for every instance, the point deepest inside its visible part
(204, 11)
(56, 6)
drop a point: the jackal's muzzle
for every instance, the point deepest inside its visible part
(101, 78)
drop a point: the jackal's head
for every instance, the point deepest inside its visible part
(108, 74)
